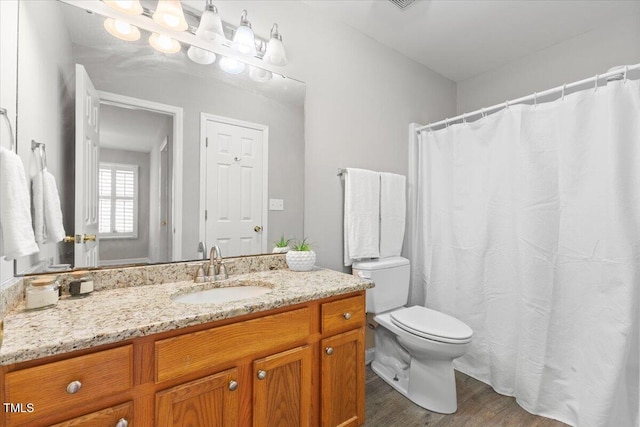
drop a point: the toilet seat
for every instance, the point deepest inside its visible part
(432, 325)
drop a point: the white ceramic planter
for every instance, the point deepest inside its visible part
(278, 250)
(301, 260)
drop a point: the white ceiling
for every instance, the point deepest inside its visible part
(463, 38)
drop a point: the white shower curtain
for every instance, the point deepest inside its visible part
(528, 230)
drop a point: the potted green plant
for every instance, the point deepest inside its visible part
(301, 257)
(281, 246)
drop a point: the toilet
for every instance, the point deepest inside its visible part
(415, 346)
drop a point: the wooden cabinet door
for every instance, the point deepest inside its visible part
(342, 380)
(207, 402)
(282, 389)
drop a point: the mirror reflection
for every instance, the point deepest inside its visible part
(155, 154)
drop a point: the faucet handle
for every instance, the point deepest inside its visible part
(199, 276)
(222, 272)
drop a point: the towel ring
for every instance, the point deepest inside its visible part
(3, 113)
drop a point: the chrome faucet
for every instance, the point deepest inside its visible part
(214, 270)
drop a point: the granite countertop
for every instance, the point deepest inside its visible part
(114, 315)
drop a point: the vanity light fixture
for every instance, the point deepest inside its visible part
(170, 15)
(231, 66)
(244, 41)
(121, 29)
(164, 44)
(210, 27)
(130, 7)
(275, 54)
(259, 74)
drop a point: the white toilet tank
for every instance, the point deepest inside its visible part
(391, 279)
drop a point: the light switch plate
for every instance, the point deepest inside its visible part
(276, 204)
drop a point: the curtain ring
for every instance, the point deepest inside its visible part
(626, 68)
(446, 122)
(464, 118)
(595, 86)
(506, 104)
(564, 87)
(482, 111)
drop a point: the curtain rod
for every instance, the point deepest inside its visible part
(560, 89)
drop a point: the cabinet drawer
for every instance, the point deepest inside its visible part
(116, 416)
(188, 353)
(49, 387)
(342, 314)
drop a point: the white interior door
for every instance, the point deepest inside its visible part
(87, 164)
(235, 177)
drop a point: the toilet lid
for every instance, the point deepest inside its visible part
(431, 324)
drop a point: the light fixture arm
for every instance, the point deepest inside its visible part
(243, 19)
(211, 7)
(274, 32)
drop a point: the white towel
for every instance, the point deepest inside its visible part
(393, 210)
(47, 213)
(15, 210)
(361, 215)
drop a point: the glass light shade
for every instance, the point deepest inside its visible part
(231, 66)
(259, 74)
(201, 56)
(169, 14)
(131, 7)
(275, 54)
(164, 44)
(122, 30)
(244, 41)
(210, 27)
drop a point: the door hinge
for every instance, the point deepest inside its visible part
(206, 214)
(206, 142)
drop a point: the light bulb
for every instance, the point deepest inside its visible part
(244, 41)
(131, 7)
(164, 44)
(201, 56)
(275, 53)
(210, 27)
(231, 66)
(169, 14)
(122, 30)
(260, 74)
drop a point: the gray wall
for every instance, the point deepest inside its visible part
(129, 248)
(583, 56)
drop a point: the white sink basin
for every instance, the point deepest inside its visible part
(220, 295)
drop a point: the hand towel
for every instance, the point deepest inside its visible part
(47, 211)
(393, 210)
(15, 208)
(361, 215)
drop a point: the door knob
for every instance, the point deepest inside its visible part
(257, 229)
(69, 239)
(89, 238)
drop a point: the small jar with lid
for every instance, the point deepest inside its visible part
(81, 283)
(41, 292)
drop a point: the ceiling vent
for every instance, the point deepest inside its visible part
(402, 4)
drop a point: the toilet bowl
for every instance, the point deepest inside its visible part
(414, 346)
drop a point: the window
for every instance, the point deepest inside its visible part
(118, 200)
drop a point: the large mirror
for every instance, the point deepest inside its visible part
(158, 156)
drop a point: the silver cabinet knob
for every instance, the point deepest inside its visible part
(347, 315)
(233, 385)
(122, 423)
(329, 350)
(262, 375)
(74, 387)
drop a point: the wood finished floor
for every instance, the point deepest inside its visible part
(478, 406)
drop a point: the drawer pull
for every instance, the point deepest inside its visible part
(329, 350)
(262, 375)
(74, 387)
(233, 385)
(347, 316)
(122, 423)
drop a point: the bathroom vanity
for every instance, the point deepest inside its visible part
(133, 356)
